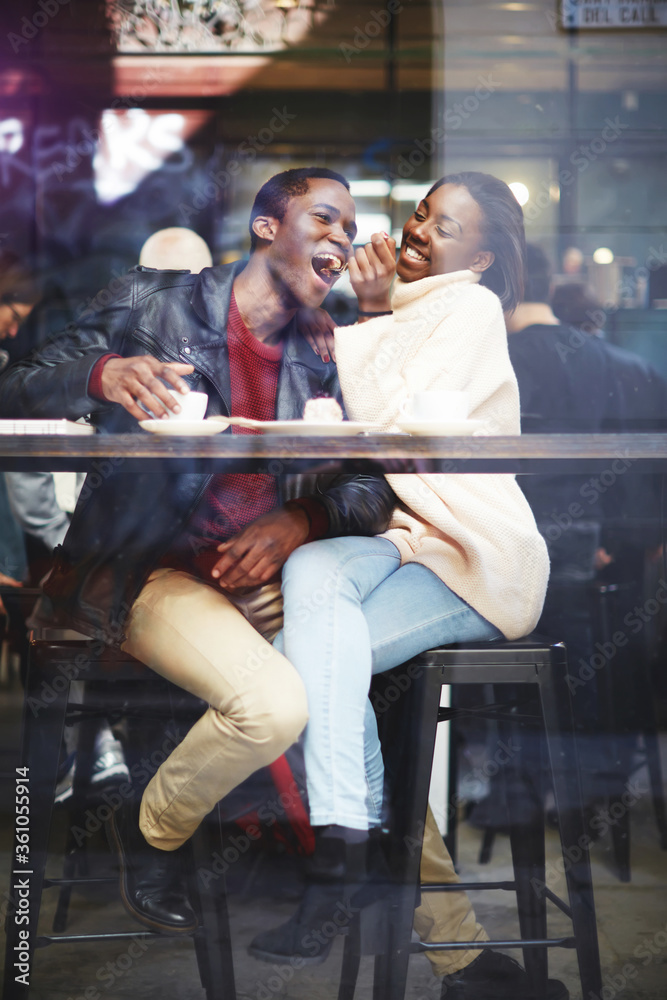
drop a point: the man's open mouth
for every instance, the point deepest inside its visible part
(328, 265)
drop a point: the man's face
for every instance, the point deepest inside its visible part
(12, 314)
(312, 243)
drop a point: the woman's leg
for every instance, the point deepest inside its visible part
(326, 639)
(413, 611)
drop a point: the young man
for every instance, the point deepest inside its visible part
(153, 561)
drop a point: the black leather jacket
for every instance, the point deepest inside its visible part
(125, 521)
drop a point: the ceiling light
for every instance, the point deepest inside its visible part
(520, 192)
(369, 188)
(603, 255)
(411, 192)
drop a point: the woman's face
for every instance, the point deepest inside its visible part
(444, 234)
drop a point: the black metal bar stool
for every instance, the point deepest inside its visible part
(54, 660)
(620, 700)
(407, 730)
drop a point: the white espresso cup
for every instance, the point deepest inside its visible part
(193, 405)
(436, 404)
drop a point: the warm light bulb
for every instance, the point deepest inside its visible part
(603, 255)
(520, 192)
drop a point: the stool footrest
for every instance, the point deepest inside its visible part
(53, 882)
(557, 901)
(467, 886)
(420, 946)
(44, 940)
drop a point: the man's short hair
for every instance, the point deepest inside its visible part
(538, 275)
(273, 197)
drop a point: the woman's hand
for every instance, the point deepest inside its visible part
(372, 271)
(317, 328)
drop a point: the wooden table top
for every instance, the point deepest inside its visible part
(278, 454)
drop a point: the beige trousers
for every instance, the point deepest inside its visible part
(202, 640)
(193, 635)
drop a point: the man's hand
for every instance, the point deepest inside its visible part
(372, 271)
(130, 381)
(317, 328)
(259, 551)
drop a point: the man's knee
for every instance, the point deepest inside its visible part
(275, 714)
(288, 713)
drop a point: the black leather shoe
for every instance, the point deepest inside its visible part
(152, 884)
(494, 976)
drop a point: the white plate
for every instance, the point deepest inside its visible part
(451, 428)
(182, 428)
(298, 428)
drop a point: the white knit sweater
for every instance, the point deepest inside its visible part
(475, 531)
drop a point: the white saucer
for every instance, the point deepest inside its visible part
(299, 428)
(450, 428)
(182, 428)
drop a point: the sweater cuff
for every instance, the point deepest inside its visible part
(95, 379)
(318, 519)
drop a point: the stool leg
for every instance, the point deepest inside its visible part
(485, 850)
(563, 757)
(655, 775)
(526, 832)
(349, 971)
(43, 725)
(81, 784)
(407, 730)
(212, 939)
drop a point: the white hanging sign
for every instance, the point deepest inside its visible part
(600, 14)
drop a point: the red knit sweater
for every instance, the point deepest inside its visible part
(233, 500)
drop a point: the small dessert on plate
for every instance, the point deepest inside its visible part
(323, 410)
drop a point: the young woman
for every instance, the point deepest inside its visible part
(462, 560)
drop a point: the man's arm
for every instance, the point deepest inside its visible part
(351, 505)
(55, 380)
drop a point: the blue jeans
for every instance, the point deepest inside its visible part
(351, 610)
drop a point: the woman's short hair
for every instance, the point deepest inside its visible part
(273, 197)
(502, 232)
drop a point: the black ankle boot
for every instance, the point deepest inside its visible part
(333, 879)
(152, 882)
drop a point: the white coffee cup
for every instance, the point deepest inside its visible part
(436, 404)
(193, 405)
